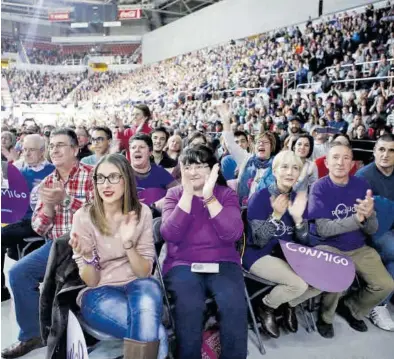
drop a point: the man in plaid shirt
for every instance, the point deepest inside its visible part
(61, 194)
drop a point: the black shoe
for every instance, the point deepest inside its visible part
(20, 349)
(344, 311)
(325, 330)
(5, 294)
(268, 320)
(290, 318)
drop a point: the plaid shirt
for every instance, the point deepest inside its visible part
(79, 186)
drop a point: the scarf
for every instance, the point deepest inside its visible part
(249, 175)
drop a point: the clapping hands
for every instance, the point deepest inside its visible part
(365, 207)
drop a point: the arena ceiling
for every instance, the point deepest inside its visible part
(156, 12)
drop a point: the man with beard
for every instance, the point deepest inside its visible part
(160, 137)
(295, 126)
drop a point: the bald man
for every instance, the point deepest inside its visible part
(35, 169)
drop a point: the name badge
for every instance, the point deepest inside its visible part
(205, 267)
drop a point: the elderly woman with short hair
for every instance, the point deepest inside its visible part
(277, 213)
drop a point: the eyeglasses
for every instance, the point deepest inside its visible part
(30, 150)
(98, 139)
(264, 143)
(113, 178)
(57, 146)
(195, 167)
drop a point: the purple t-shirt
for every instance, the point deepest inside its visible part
(259, 207)
(331, 201)
(153, 186)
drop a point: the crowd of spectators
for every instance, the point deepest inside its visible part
(41, 87)
(8, 45)
(160, 133)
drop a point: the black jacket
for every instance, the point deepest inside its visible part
(84, 152)
(61, 286)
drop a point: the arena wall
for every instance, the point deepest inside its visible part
(232, 19)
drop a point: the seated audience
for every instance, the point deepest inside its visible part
(342, 208)
(228, 164)
(36, 168)
(8, 142)
(303, 148)
(152, 180)
(321, 162)
(274, 213)
(62, 193)
(201, 223)
(159, 138)
(174, 147)
(83, 142)
(113, 247)
(141, 117)
(320, 142)
(255, 170)
(101, 143)
(380, 177)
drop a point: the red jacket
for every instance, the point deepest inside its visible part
(125, 135)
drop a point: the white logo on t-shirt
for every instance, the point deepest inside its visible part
(282, 229)
(342, 211)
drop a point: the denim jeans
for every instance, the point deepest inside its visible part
(25, 277)
(11, 236)
(131, 311)
(385, 247)
(189, 292)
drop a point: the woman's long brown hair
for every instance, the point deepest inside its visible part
(130, 200)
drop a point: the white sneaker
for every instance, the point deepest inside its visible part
(380, 316)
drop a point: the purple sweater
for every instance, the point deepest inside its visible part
(196, 237)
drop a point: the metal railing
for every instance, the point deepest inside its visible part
(354, 81)
(328, 69)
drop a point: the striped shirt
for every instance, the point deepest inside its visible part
(79, 188)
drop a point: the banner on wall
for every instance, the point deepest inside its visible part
(129, 14)
(15, 198)
(329, 272)
(59, 16)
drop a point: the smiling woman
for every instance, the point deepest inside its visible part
(277, 213)
(113, 247)
(201, 222)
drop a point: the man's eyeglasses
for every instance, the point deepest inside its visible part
(30, 150)
(113, 178)
(57, 146)
(195, 167)
(98, 139)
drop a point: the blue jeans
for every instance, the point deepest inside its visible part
(189, 292)
(25, 277)
(385, 247)
(132, 311)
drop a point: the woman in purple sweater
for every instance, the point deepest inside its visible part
(201, 222)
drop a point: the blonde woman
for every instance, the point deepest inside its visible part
(174, 147)
(274, 213)
(113, 247)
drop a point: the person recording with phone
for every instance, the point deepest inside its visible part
(201, 221)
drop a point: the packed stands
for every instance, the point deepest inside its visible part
(271, 109)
